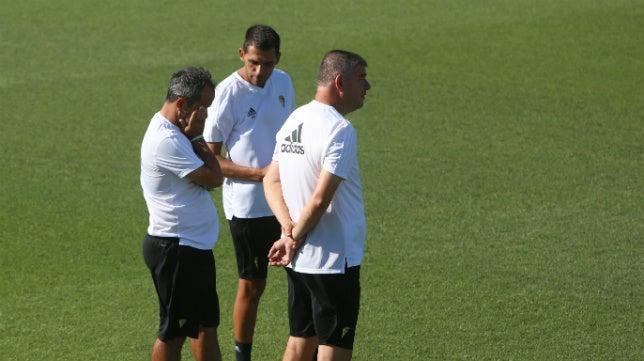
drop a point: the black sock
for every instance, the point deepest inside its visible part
(242, 351)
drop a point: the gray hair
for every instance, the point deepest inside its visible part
(189, 83)
(338, 62)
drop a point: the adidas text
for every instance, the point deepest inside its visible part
(293, 148)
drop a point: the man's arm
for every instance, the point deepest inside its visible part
(233, 170)
(313, 211)
(283, 250)
(208, 175)
(275, 198)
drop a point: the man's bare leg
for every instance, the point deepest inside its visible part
(206, 347)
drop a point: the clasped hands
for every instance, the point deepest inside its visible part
(283, 250)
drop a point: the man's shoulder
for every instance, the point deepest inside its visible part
(323, 110)
(281, 73)
(160, 127)
(162, 139)
(322, 118)
(281, 76)
(229, 83)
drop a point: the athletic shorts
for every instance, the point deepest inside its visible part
(185, 280)
(253, 238)
(324, 305)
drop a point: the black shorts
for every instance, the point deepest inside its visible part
(324, 305)
(253, 238)
(186, 283)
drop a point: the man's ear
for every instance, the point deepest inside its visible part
(338, 83)
(181, 102)
(241, 54)
(278, 55)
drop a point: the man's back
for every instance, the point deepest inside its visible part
(315, 138)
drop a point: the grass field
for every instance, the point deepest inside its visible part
(502, 155)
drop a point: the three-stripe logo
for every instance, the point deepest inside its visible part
(296, 135)
(294, 142)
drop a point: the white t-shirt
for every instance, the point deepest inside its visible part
(245, 118)
(177, 206)
(317, 137)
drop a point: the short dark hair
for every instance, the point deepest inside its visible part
(338, 62)
(189, 83)
(262, 37)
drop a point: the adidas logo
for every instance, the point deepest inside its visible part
(251, 113)
(294, 140)
(296, 135)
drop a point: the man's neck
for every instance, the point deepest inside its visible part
(325, 96)
(169, 111)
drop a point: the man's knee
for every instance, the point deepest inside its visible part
(300, 348)
(169, 349)
(330, 352)
(252, 289)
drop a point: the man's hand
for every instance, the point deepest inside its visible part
(193, 126)
(262, 172)
(282, 252)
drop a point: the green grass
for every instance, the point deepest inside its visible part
(501, 152)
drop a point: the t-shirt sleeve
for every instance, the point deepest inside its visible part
(341, 152)
(291, 102)
(219, 122)
(277, 145)
(178, 157)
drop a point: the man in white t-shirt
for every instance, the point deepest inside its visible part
(313, 186)
(177, 170)
(250, 106)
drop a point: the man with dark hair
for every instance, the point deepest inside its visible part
(313, 187)
(177, 170)
(250, 106)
